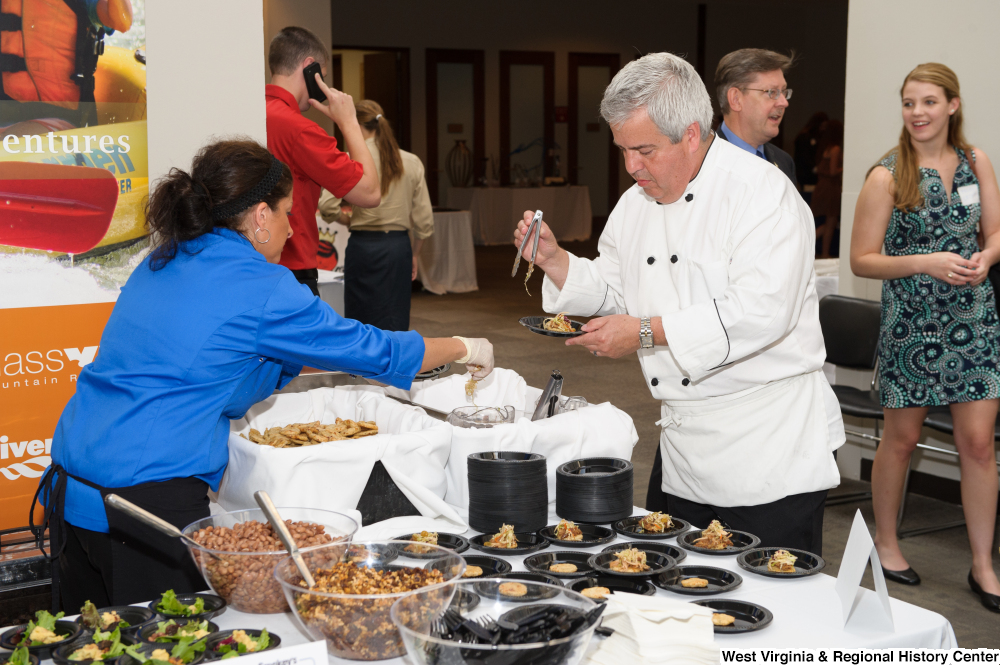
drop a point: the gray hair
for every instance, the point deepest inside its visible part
(670, 90)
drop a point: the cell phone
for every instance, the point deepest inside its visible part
(309, 72)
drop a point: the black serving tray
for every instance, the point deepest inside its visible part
(490, 564)
(629, 527)
(755, 561)
(749, 616)
(528, 543)
(449, 541)
(534, 324)
(592, 536)
(742, 541)
(639, 587)
(657, 563)
(674, 553)
(540, 563)
(719, 580)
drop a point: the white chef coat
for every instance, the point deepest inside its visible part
(729, 268)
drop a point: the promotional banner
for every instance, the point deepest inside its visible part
(73, 182)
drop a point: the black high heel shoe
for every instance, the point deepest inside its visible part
(990, 601)
(908, 576)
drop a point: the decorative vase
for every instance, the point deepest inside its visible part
(459, 165)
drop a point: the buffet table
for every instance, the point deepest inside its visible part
(495, 210)
(447, 261)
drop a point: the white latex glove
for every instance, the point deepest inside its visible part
(478, 358)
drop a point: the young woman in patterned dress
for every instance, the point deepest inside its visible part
(938, 343)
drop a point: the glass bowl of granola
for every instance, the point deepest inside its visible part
(356, 585)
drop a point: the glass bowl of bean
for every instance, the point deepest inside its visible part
(356, 586)
(239, 551)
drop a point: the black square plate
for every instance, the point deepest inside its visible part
(449, 541)
(674, 553)
(629, 527)
(755, 561)
(742, 541)
(657, 563)
(719, 580)
(615, 584)
(541, 563)
(592, 536)
(527, 543)
(534, 324)
(749, 616)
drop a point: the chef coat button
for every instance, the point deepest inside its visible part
(689, 198)
(651, 260)
(684, 382)
(655, 382)
(673, 259)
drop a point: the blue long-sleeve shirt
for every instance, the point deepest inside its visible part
(191, 346)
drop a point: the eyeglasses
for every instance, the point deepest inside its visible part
(773, 93)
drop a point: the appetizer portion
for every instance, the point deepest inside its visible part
(239, 643)
(567, 530)
(472, 571)
(514, 589)
(505, 539)
(563, 568)
(170, 605)
(95, 620)
(298, 435)
(19, 657)
(182, 653)
(720, 619)
(558, 323)
(429, 537)
(41, 630)
(171, 631)
(629, 561)
(655, 523)
(694, 583)
(104, 646)
(782, 561)
(715, 537)
(596, 592)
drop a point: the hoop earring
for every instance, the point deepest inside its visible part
(259, 241)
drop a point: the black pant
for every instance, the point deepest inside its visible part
(794, 521)
(378, 267)
(309, 277)
(134, 562)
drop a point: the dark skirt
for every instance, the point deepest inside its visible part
(378, 266)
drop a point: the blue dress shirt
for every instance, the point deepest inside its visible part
(191, 346)
(740, 143)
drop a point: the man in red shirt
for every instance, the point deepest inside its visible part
(310, 152)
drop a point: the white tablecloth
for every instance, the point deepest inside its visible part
(495, 210)
(447, 262)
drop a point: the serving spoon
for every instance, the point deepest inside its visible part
(148, 518)
(265, 503)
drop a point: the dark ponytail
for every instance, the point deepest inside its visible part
(180, 207)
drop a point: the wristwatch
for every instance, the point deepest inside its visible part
(645, 333)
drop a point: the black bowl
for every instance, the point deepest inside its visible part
(719, 580)
(490, 564)
(148, 648)
(32, 658)
(214, 605)
(541, 563)
(527, 543)
(450, 541)
(60, 656)
(657, 563)
(755, 561)
(674, 553)
(592, 536)
(70, 629)
(615, 584)
(491, 588)
(213, 642)
(742, 541)
(464, 600)
(629, 527)
(137, 617)
(148, 630)
(534, 324)
(749, 616)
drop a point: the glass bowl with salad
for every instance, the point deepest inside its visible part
(128, 618)
(99, 646)
(233, 643)
(199, 606)
(42, 634)
(185, 652)
(19, 656)
(173, 631)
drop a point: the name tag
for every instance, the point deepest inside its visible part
(969, 194)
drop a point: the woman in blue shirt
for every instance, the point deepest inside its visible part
(205, 327)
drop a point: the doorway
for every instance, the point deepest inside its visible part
(381, 74)
(591, 156)
(527, 116)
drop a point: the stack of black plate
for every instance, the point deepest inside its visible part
(595, 490)
(507, 488)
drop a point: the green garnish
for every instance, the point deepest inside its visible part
(19, 657)
(262, 642)
(189, 629)
(44, 620)
(89, 615)
(185, 651)
(170, 605)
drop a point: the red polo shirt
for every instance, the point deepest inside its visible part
(316, 163)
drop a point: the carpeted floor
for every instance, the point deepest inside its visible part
(942, 558)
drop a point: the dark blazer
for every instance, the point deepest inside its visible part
(776, 156)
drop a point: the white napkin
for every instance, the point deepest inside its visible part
(400, 526)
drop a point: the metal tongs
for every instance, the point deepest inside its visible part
(536, 225)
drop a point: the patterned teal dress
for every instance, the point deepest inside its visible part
(938, 342)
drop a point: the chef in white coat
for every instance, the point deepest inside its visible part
(706, 270)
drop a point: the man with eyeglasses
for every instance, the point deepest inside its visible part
(752, 93)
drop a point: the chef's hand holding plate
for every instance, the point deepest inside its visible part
(479, 357)
(612, 336)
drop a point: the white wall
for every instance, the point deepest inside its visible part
(203, 77)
